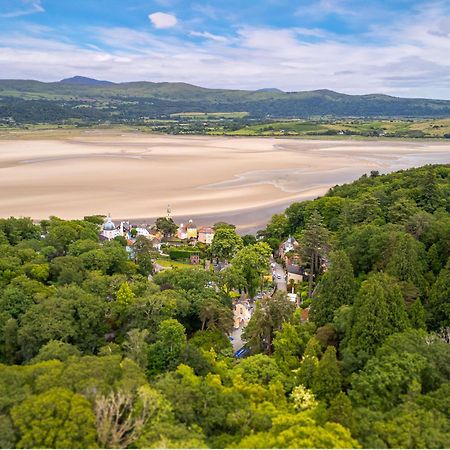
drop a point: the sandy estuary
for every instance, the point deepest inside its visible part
(135, 176)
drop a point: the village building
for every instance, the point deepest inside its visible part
(242, 314)
(294, 273)
(287, 246)
(141, 231)
(156, 242)
(191, 230)
(109, 230)
(182, 232)
(205, 235)
(194, 259)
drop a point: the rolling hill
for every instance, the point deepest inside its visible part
(86, 99)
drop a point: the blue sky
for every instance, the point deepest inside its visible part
(398, 47)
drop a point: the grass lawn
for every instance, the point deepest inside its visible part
(174, 264)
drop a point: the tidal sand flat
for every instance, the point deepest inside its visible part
(132, 175)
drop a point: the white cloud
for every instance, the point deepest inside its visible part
(162, 20)
(207, 35)
(406, 59)
(29, 7)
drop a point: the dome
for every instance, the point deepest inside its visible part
(109, 225)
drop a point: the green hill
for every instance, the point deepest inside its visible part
(80, 98)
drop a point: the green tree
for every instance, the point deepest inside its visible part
(410, 426)
(229, 279)
(366, 208)
(386, 379)
(59, 325)
(314, 243)
(226, 242)
(268, 318)
(290, 342)
(300, 431)
(378, 311)
(170, 342)
(417, 315)
(143, 250)
(19, 229)
(166, 226)
(70, 315)
(253, 263)
(9, 339)
(57, 418)
(407, 260)
(7, 433)
(125, 296)
(136, 347)
(219, 225)
(277, 228)
(341, 411)
(438, 307)
(259, 369)
(429, 198)
(67, 270)
(434, 260)
(336, 288)
(249, 239)
(56, 350)
(401, 210)
(61, 235)
(214, 315)
(327, 380)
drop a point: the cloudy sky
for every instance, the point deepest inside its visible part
(397, 47)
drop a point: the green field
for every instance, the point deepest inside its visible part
(174, 264)
(213, 115)
(431, 128)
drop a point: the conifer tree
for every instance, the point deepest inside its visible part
(407, 260)
(429, 198)
(378, 311)
(336, 288)
(439, 304)
(314, 244)
(327, 380)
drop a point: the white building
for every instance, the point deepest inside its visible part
(182, 232)
(142, 232)
(109, 230)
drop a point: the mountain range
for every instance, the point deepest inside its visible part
(81, 98)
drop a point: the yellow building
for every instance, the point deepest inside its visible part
(191, 230)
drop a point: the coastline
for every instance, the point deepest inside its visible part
(207, 178)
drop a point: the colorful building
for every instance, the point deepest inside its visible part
(205, 235)
(191, 230)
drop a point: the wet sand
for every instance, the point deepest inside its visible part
(135, 176)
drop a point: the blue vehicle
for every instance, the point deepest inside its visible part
(242, 352)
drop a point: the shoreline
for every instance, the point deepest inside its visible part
(209, 178)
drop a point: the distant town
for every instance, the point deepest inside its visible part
(187, 244)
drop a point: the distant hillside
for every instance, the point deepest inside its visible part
(80, 98)
(86, 81)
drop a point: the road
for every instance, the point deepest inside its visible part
(280, 276)
(237, 340)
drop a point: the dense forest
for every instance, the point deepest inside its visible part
(88, 101)
(95, 353)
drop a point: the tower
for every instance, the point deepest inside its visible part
(169, 212)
